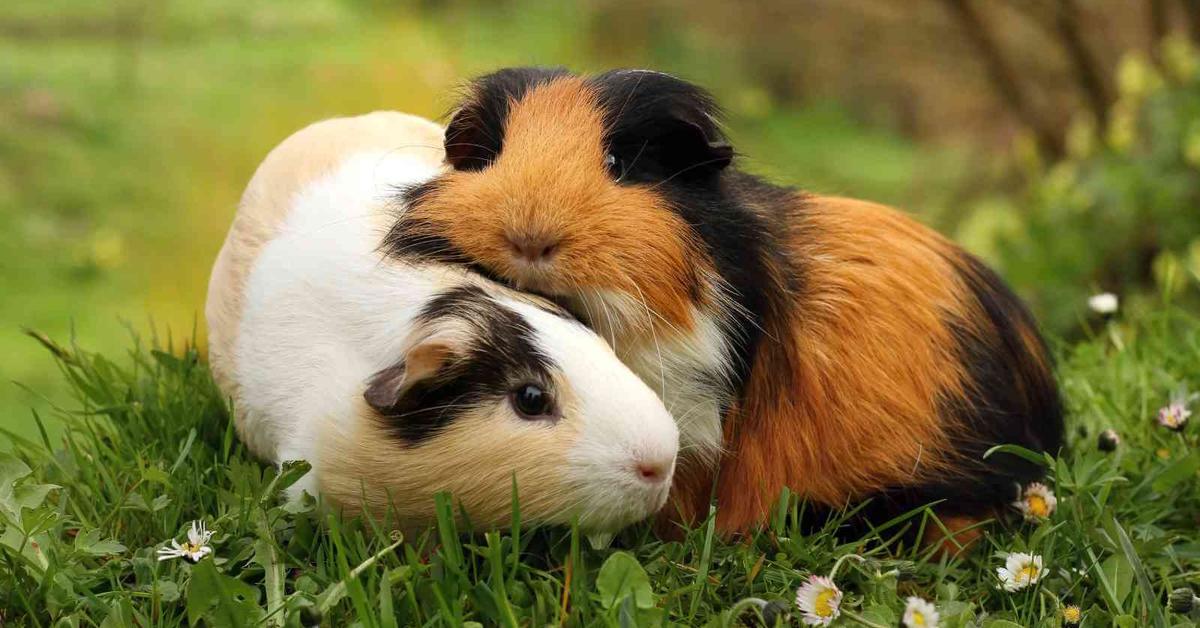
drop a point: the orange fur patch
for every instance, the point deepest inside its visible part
(843, 399)
(550, 181)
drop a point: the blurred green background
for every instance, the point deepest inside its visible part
(1058, 139)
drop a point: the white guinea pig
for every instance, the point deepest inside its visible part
(396, 381)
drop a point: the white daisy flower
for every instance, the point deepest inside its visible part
(194, 549)
(1037, 502)
(818, 599)
(1174, 416)
(1104, 303)
(1019, 571)
(919, 613)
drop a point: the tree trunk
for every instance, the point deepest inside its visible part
(1160, 25)
(1191, 9)
(1087, 69)
(1004, 78)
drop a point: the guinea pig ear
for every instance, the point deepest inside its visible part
(695, 142)
(423, 361)
(661, 126)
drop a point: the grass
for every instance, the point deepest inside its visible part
(149, 447)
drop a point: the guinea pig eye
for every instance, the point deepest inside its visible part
(616, 167)
(532, 402)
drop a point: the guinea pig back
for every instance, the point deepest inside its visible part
(832, 346)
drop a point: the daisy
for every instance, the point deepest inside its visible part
(196, 547)
(1103, 303)
(819, 599)
(1174, 416)
(1019, 571)
(1037, 503)
(1072, 615)
(920, 614)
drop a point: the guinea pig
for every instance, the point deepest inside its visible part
(396, 379)
(831, 346)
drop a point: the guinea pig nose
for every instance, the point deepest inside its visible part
(652, 472)
(533, 249)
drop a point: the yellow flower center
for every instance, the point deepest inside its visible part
(1038, 506)
(191, 547)
(918, 618)
(823, 605)
(1072, 614)
(1028, 572)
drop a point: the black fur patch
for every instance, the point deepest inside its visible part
(475, 135)
(1014, 397)
(415, 238)
(501, 356)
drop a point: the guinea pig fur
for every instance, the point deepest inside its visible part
(397, 380)
(832, 346)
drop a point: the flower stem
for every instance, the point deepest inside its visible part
(862, 620)
(837, 565)
(741, 607)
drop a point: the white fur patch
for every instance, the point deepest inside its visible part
(316, 290)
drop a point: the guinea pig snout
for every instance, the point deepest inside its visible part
(533, 248)
(653, 469)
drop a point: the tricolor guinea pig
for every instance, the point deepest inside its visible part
(831, 346)
(397, 379)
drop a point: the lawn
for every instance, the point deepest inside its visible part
(149, 448)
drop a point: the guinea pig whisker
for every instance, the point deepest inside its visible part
(699, 164)
(404, 146)
(473, 145)
(583, 301)
(629, 97)
(651, 315)
(454, 404)
(328, 224)
(682, 419)
(633, 163)
(662, 367)
(609, 321)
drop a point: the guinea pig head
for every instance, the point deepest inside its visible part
(495, 389)
(577, 188)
